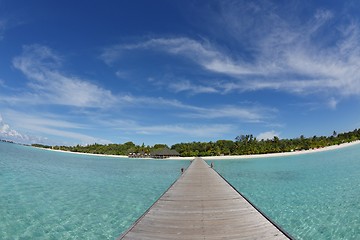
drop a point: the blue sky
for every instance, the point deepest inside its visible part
(79, 72)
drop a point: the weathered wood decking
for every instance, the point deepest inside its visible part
(202, 205)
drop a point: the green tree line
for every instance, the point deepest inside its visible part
(242, 145)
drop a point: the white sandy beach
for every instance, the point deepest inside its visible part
(284, 154)
(334, 147)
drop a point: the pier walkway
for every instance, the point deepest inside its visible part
(202, 205)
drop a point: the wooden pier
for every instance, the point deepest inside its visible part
(202, 205)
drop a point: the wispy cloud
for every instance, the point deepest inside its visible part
(202, 53)
(180, 85)
(289, 56)
(210, 130)
(187, 86)
(50, 86)
(130, 127)
(8, 133)
(296, 57)
(246, 114)
(52, 125)
(333, 103)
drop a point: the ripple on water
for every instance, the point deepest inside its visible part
(312, 196)
(50, 195)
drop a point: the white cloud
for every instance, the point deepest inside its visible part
(202, 53)
(187, 86)
(121, 74)
(296, 56)
(41, 65)
(289, 56)
(37, 119)
(195, 130)
(333, 103)
(247, 114)
(179, 85)
(49, 85)
(243, 113)
(8, 133)
(267, 135)
(53, 125)
(212, 130)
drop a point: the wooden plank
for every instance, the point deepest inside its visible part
(202, 205)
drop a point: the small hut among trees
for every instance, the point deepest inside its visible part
(164, 153)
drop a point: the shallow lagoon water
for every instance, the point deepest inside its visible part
(52, 195)
(312, 196)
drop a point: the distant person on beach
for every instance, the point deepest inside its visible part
(182, 170)
(211, 165)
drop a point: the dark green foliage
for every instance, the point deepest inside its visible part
(243, 145)
(248, 144)
(40, 146)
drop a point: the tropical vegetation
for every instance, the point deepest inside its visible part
(242, 145)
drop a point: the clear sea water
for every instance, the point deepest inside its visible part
(311, 196)
(51, 195)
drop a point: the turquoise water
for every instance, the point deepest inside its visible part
(312, 196)
(50, 195)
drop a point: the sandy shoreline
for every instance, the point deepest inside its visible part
(284, 154)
